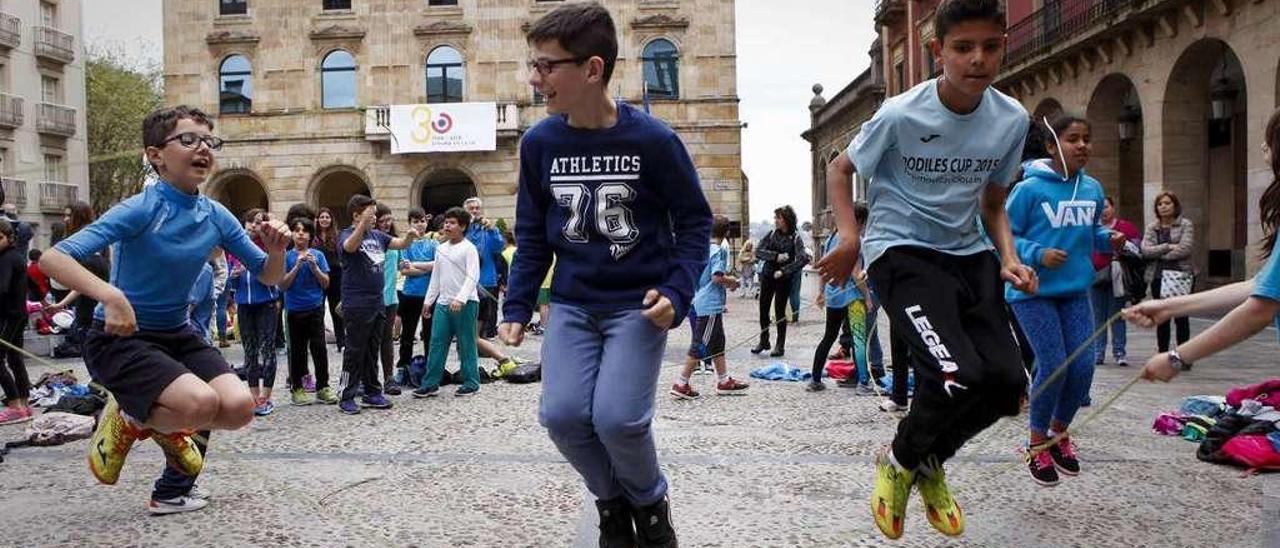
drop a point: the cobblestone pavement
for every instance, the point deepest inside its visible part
(778, 467)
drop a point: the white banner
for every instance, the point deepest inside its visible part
(444, 127)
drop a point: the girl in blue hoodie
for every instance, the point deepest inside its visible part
(1055, 215)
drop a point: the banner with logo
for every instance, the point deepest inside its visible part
(444, 127)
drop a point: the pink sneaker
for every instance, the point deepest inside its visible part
(14, 415)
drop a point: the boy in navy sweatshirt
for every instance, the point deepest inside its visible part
(613, 194)
(166, 381)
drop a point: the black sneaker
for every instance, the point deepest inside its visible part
(426, 393)
(1064, 457)
(777, 352)
(1042, 468)
(392, 389)
(653, 526)
(465, 391)
(615, 524)
(848, 382)
(761, 348)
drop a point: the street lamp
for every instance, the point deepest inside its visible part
(1127, 123)
(1222, 99)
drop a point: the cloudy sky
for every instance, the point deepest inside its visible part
(782, 52)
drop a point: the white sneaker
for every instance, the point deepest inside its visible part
(175, 505)
(198, 492)
(889, 406)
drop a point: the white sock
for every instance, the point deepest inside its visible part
(132, 421)
(682, 381)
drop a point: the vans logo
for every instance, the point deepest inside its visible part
(1070, 213)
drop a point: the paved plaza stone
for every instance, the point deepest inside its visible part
(777, 467)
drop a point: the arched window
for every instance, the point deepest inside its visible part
(338, 80)
(661, 70)
(446, 75)
(235, 89)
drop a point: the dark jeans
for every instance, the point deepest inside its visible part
(220, 314)
(172, 483)
(410, 317)
(13, 379)
(258, 334)
(1162, 331)
(387, 346)
(360, 356)
(333, 296)
(306, 332)
(774, 291)
(489, 313)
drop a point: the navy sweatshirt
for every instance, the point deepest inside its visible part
(622, 210)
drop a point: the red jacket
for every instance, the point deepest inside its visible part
(39, 281)
(1131, 233)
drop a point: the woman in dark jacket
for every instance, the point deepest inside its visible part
(784, 255)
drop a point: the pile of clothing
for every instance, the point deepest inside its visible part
(62, 392)
(1241, 429)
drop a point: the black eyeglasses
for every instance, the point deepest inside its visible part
(191, 140)
(545, 66)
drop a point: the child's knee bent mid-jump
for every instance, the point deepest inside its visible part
(165, 379)
(613, 194)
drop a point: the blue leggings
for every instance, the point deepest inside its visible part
(1057, 326)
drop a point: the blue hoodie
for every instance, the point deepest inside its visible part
(1047, 211)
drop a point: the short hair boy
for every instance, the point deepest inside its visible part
(938, 155)
(629, 223)
(151, 361)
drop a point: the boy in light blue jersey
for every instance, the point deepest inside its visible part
(305, 280)
(939, 155)
(166, 381)
(708, 319)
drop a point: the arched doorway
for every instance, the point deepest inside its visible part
(239, 190)
(1048, 108)
(333, 187)
(443, 189)
(1115, 115)
(1205, 155)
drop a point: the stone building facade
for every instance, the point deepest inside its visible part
(301, 89)
(1178, 93)
(43, 152)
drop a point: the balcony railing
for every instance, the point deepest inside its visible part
(886, 10)
(1057, 21)
(15, 191)
(55, 119)
(10, 110)
(10, 31)
(54, 45)
(55, 196)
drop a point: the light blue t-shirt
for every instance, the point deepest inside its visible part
(1267, 283)
(304, 293)
(838, 296)
(390, 270)
(420, 251)
(162, 239)
(710, 296)
(929, 167)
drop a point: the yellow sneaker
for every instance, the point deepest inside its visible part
(889, 499)
(180, 452)
(111, 442)
(943, 511)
